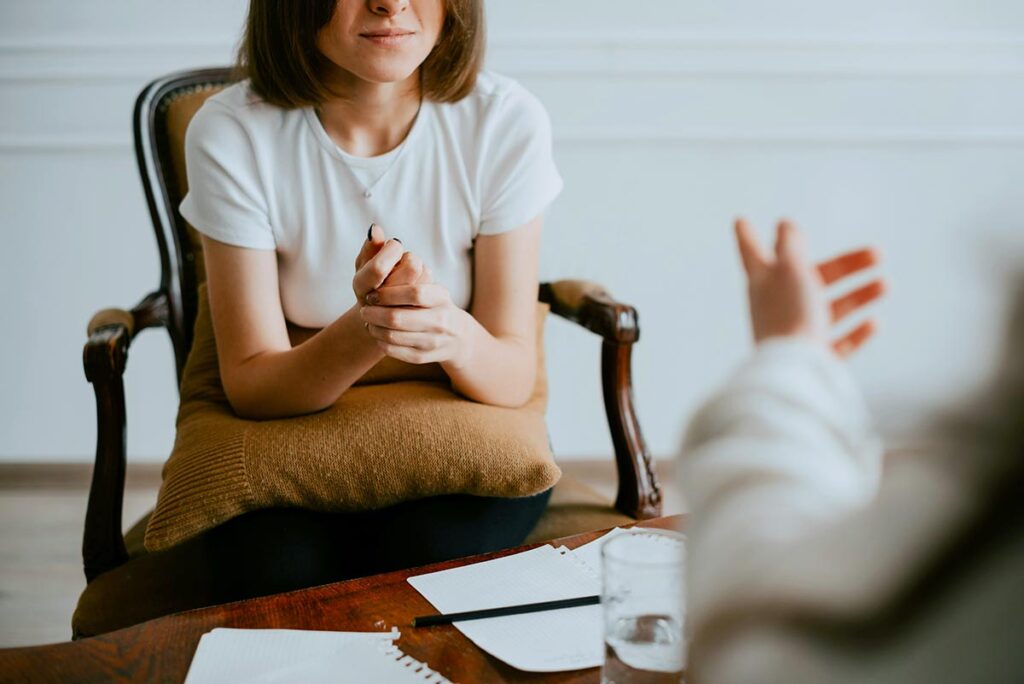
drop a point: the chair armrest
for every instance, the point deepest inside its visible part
(106, 353)
(589, 305)
(110, 331)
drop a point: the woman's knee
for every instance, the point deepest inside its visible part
(274, 550)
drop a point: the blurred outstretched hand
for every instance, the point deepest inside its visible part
(788, 292)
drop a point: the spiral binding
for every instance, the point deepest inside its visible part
(419, 670)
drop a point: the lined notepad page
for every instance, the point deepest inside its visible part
(272, 656)
(548, 641)
(590, 554)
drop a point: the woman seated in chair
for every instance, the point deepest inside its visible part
(368, 192)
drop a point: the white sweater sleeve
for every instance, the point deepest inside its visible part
(783, 450)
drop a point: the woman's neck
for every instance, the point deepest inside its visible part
(371, 119)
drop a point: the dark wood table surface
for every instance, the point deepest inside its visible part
(161, 650)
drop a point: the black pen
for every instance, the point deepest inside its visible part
(427, 620)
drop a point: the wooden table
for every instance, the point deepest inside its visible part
(161, 650)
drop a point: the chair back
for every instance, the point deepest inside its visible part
(162, 114)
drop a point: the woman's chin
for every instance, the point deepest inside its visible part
(387, 73)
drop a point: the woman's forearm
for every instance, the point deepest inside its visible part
(496, 370)
(307, 378)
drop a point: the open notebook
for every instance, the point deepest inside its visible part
(276, 656)
(549, 641)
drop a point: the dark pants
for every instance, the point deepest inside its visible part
(280, 549)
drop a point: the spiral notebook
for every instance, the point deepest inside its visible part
(548, 641)
(276, 656)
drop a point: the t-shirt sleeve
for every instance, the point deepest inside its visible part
(225, 199)
(520, 179)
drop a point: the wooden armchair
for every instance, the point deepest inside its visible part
(128, 585)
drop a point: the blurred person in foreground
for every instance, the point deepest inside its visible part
(806, 562)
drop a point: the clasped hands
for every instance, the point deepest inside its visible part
(410, 317)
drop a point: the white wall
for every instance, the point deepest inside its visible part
(868, 122)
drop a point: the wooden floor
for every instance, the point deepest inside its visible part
(41, 515)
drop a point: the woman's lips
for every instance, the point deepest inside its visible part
(387, 38)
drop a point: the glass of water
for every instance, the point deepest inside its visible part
(642, 600)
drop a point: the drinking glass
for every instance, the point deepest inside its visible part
(642, 601)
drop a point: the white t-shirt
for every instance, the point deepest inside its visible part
(263, 177)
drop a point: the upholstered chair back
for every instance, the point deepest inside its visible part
(163, 113)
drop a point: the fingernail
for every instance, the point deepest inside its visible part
(369, 233)
(372, 298)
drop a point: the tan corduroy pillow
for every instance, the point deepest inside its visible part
(387, 440)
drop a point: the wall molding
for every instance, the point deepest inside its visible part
(63, 143)
(123, 65)
(861, 137)
(623, 135)
(554, 54)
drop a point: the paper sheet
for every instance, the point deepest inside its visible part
(590, 553)
(368, 663)
(269, 656)
(549, 641)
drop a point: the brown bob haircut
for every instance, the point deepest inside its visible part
(278, 52)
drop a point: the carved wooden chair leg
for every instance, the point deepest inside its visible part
(639, 494)
(589, 305)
